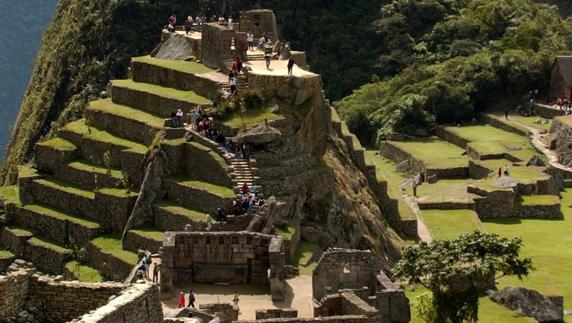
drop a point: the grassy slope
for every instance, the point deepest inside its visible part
(448, 155)
(84, 273)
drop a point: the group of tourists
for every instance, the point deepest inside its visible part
(198, 21)
(178, 118)
(143, 269)
(193, 298)
(190, 23)
(503, 171)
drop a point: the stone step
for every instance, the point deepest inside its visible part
(181, 75)
(144, 239)
(89, 176)
(54, 224)
(201, 196)
(170, 216)
(154, 99)
(96, 143)
(51, 154)
(106, 254)
(124, 121)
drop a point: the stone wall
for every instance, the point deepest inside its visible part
(137, 303)
(446, 135)
(224, 308)
(294, 90)
(216, 45)
(546, 111)
(545, 211)
(211, 257)
(501, 123)
(13, 292)
(259, 22)
(275, 313)
(493, 203)
(328, 319)
(561, 131)
(477, 170)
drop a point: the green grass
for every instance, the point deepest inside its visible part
(109, 107)
(44, 243)
(57, 214)
(111, 244)
(449, 224)
(303, 253)
(435, 153)
(188, 213)
(489, 139)
(27, 171)
(250, 118)
(79, 127)
(66, 187)
(10, 194)
(445, 190)
(286, 231)
(150, 233)
(20, 231)
(211, 188)
(118, 192)
(86, 166)
(530, 200)
(58, 144)
(386, 172)
(5, 254)
(182, 66)
(84, 273)
(530, 121)
(166, 92)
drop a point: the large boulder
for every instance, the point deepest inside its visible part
(178, 47)
(531, 303)
(535, 161)
(259, 135)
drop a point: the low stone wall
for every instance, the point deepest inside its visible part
(86, 178)
(135, 242)
(13, 292)
(546, 111)
(49, 159)
(328, 319)
(561, 132)
(446, 135)
(16, 244)
(47, 259)
(446, 205)
(275, 313)
(76, 204)
(291, 89)
(477, 170)
(148, 73)
(227, 309)
(205, 164)
(137, 303)
(493, 204)
(195, 198)
(114, 210)
(501, 123)
(448, 173)
(539, 211)
(476, 155)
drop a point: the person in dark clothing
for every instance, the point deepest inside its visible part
(506, 113)
(290, 65)
(174, 119)
(191, 299)
(238, 63)
(231, 76)
(220, 214)
(156, 273)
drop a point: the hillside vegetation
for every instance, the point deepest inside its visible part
(452, 58)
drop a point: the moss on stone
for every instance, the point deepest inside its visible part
(181, 66)
(44, 243)
(5, 254)
(25, 171)
(111, 244)
(10, 194)
(166, 92)
(84, 273)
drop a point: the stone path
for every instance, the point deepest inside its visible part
(422, 229)
(277, 68)
(252, 297)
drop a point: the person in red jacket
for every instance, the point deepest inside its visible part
(181, 300)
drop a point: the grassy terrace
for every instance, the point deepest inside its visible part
(181, 66)
(162, 91)
(386, 172)
(449, 224)
(149, 233)
(66, 187)
(251, 118)
(445, 190)
(58, 144)
(111, 244)
(44, 243)
(531, 200)
(79, 127)
(188, 213)
(84, 273)
(20, 231)
(5, 254)
(84, 165)
(214, 155)
(488, 139)
(10, 194)
(211, 188)
(435, 153)
(51, 212)
(126, 112)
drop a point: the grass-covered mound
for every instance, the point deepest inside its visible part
(453, 58)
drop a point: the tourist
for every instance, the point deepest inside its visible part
(189, 25)
(172, 23)
(234, 68)
(290, 65)
(209, 224)
(188, 228)
(261, 43)
(233, 88)
(230, 24)
(141, 270)
(221, 20)
(148, 261)
(181, 300)
(238, 63)
(499, 172)
(505, 171)
(250, 40)
(220, 214)
(506, 113)
(235, 300)
(244, 189)
(180, 117)
(191, 299)
(267, 56)
(231, 75)
(250, 209)
(156, 273)
(174, 119)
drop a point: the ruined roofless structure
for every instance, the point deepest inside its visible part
(123, 179)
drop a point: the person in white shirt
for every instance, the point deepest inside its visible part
(250, 40)
(230, 25)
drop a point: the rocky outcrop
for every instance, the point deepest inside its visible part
(258, 136)
(178, 47)
(531, 303)
(561, 135)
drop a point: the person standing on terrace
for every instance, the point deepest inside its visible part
(172, 23)
(250, 40)
(189, 25)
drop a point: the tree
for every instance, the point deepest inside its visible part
(458, 271)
